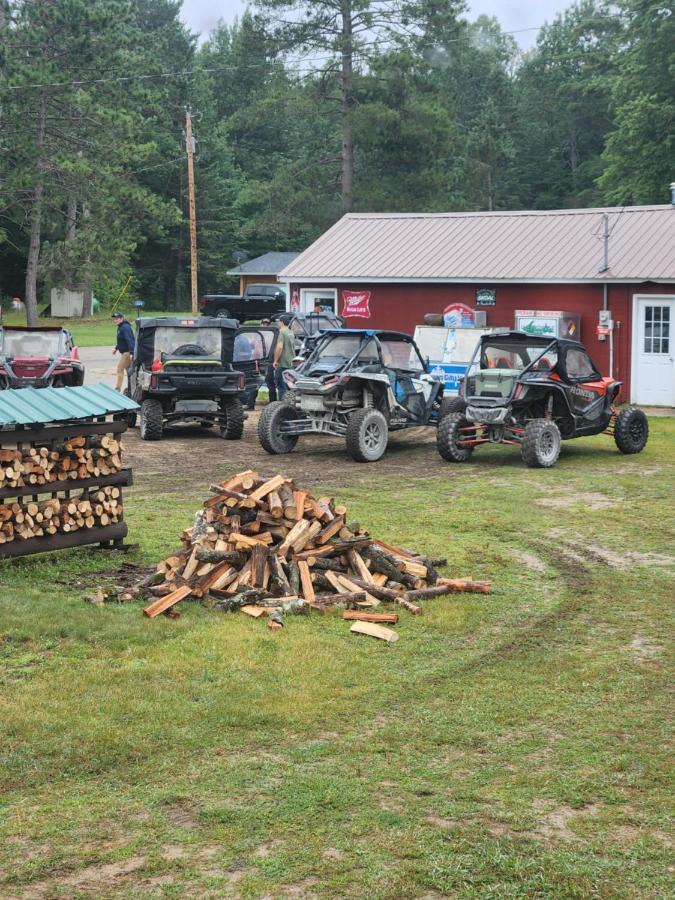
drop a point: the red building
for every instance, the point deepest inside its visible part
(615, 268)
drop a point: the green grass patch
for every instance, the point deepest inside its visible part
(98, 331)
(511, 745)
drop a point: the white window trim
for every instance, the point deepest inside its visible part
(635, 330)
(312, 290)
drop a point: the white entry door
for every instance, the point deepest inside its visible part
(653, 370)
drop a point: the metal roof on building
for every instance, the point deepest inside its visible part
(30, 406)
(538, 246)
(268, 264)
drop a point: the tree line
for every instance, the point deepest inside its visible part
(302, 111)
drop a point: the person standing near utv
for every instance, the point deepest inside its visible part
(270, 373)
(284, 354)
(124, 346)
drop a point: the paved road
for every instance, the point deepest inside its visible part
(99, 365)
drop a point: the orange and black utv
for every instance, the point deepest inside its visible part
(535, 392)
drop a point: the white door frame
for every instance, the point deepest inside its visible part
(635, 332)
(305, 308)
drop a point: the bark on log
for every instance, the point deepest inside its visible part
(214, 556)
(451, 586)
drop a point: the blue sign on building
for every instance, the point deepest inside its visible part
(450, 375)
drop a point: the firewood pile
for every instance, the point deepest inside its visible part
(76, 459)
(267, 547)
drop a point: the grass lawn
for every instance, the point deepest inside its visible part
(511, 745)
(99, 331)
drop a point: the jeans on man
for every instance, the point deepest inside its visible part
(270, 382)
(281, 385)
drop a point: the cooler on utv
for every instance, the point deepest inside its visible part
(182, 372)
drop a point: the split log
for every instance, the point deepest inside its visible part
(287, 498)
(306, 579)
(359, 616)
(215, 556)
(383, 562)
(278, 581)
(164, 603)
(275, 505)
(259, 556)
(451, 586)
(294, 577)
(376, 631)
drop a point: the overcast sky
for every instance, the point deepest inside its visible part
(202, 15)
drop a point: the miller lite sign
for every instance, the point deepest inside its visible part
(356, 304)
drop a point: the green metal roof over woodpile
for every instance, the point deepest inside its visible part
(38, 406)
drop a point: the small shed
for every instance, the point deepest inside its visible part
(67, 302)
(263, 269)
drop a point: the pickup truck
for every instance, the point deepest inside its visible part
(258, 302)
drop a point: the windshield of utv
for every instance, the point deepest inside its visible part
(188, 342)
(498, 363)
(18, 344)
(333, 352)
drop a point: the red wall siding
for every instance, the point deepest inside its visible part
(402, 307)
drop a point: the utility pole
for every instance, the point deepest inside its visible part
(193, 215)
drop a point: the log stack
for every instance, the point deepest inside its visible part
(60, 488)
(75, 459)
(35, 518)
(266, 546)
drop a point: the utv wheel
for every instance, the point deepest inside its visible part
(541, 444)
(631, 430)
(367, 435)
(451, 405)
(448, 436)
(233, 428)
(270, 435)
(152, 420)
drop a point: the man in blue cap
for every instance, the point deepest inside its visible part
(124, 346)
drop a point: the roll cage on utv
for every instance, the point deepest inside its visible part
(39, 356)
(182, 372)
(355, 384)
(534, 392)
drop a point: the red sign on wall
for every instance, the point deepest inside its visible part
(295, 302)
(356, 304)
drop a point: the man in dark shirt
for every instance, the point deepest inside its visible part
(124, 346)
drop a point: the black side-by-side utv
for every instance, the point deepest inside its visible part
(182, 372)
(534, 392)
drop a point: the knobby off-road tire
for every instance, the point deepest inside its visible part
(541, 444)
(451, 405)
(271, 419)
(631, 430)
(152, 420)
(447, 436)
(233, 428)
(367, 435)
